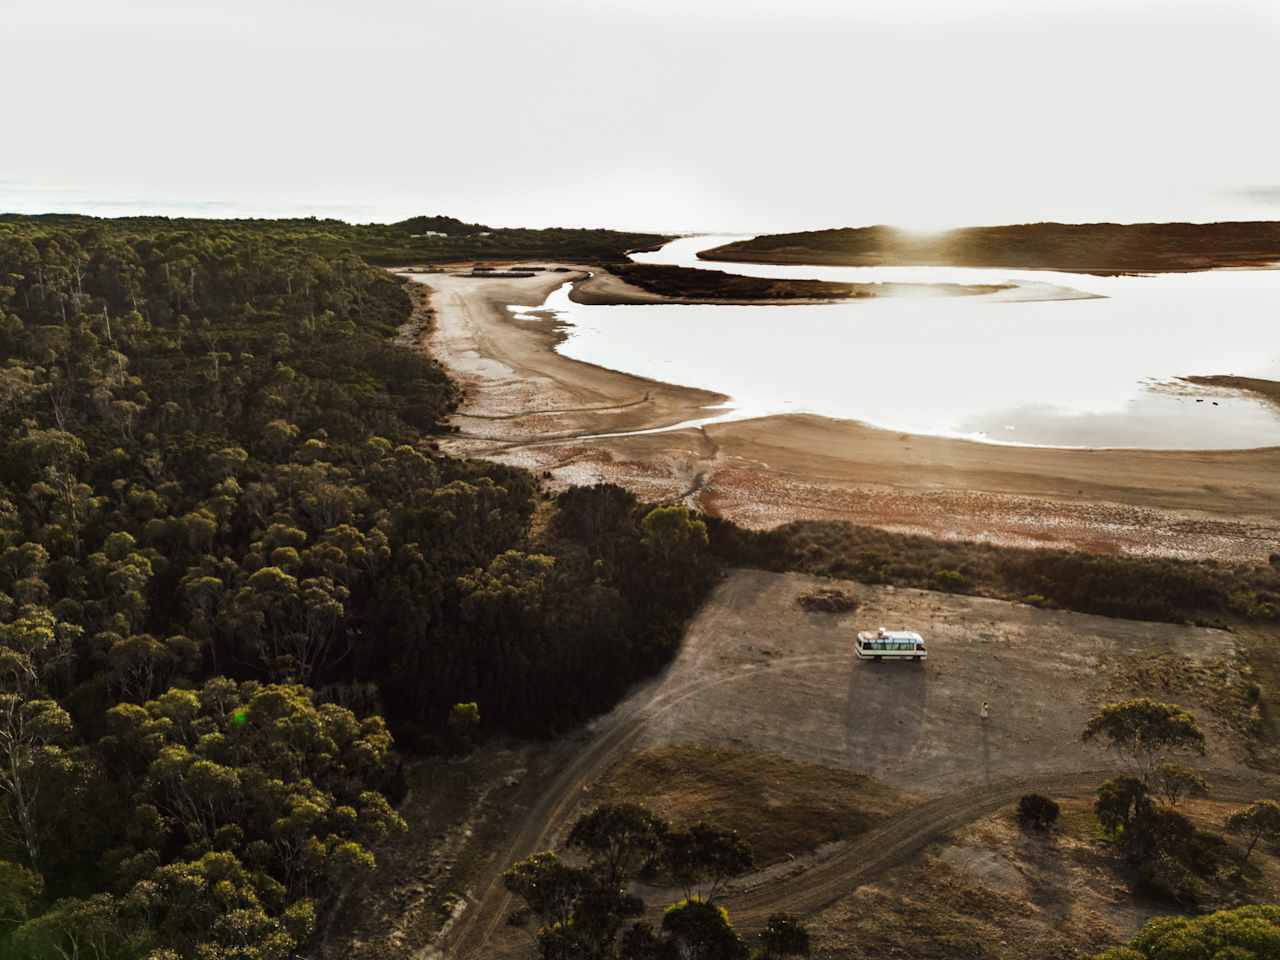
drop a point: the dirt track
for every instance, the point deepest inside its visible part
(879, 851)
(753, 654)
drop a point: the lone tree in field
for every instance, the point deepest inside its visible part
(1258, 821)
(1144, 733)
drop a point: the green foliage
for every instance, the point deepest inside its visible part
(219, 494)
(464, 721)
(287, 788)
(701, 858)
(550, 888)
(1145, 732)
(417, 240)
(19, 890)
(1245, 933)
(1170, 856)
(1171, 782)
(1258, 821)
(621, 838)
(584, 908)
(700, 930)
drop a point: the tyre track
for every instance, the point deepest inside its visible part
(906, 835)
(859, 862)
(469, 938)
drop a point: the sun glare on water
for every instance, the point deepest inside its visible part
(925, 228)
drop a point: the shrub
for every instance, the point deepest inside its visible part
(828, 600)
(1245, 932)
(1036, 812)
(951, 580)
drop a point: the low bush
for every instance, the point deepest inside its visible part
(1037, 812)
(828, 600)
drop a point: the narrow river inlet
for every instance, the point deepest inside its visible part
(1009, 367)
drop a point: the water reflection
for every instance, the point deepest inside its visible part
(1080, 372)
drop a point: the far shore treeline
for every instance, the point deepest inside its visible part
(1101, 248)
(237, 573)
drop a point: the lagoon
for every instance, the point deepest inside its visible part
(1008, 367)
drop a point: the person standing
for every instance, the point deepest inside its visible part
(985, 712)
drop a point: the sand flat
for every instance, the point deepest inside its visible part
(528, 405)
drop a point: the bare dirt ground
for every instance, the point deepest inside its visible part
(793, 687)
(993, 890)
(528, 405)
(759, 675)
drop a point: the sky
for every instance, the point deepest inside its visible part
(717, 115)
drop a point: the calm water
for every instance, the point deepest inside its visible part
(1085, 372)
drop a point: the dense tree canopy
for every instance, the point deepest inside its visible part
(229, 547)
(1245, 933)
(582, 907)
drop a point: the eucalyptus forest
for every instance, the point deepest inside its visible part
(239, 581)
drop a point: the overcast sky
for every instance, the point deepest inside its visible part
(663, 114)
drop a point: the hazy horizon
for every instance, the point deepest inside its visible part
(665, 116)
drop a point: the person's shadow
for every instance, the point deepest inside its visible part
(986, 751)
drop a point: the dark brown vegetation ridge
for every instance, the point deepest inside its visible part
(687, 283)
(1098, 248)
(1266, 389)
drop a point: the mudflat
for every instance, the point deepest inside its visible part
(528, 405)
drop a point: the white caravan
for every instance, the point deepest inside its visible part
(890, 645)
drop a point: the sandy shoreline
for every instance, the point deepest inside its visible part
(528, 405)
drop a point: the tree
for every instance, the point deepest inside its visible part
(1121, 801)
(19, 890)
(142, 665)
(261, 772)
(784, 936)
(701, 931)
(33, 734)
(1244, 933)
(1258, 821)
(1173, 781)
(216, 907)
(704, 856)
(214, 460)
(1170, 855)
(464, 721)
(95, 928)
(1144, 732)
(620, 838)
(550, 887)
